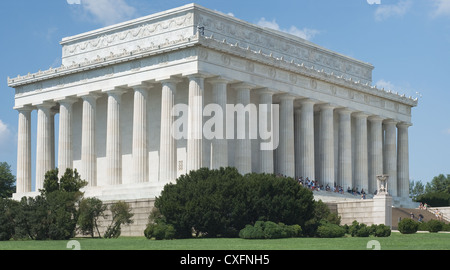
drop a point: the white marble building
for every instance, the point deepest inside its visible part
(117, 86)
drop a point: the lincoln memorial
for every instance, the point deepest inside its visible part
(110, 109)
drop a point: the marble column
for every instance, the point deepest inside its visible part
(24, 150)
(140, 151)
(65, 148)
(390, 155)
(243, 149)
(345, 168)
(266, 164)
(195, 122)
(375, 151)
(167, 153)
(88, 148)
(327, 146)
(306, 145)
(219, 147)
(403, 160)
(361, 152)
(44, 143)
(113, 143)
(286, 150)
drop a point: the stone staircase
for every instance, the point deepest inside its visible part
(399, 213)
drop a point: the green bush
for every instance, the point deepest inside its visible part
(270, 230)
(408, 226)
(380, 230)
(159, 231)
(435, 225)
(219, 203)
(329, 230)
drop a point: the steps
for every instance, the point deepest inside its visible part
(399, 213)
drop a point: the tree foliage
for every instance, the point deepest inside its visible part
(7, 181)
(221, 202)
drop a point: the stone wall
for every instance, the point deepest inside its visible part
(371, 211)
(141, 210)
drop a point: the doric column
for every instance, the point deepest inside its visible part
(44, 143)
(375, 151)
(65, 148)
(266, 155)
(88, 149)
(361, 154)
(24, 150)
(113, 143)
(52, 137)
(306, 136)
(327, 145)
(195, 122)
(243, 149)
(345, 178)
(167, 153)
(403, 160)
(140, 151)
(390, 155)
(219, 147)
(286, 150)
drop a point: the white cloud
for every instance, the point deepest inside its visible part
(304, 33)
(5, 133)
(107, 12)
(371, 2)
(442, 7)
(385, 84)
(386, 11)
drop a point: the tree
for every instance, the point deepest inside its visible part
(52, 214)
(90, 210)
(121, 214)
(416, 189)
(7, 181)
(221, 202)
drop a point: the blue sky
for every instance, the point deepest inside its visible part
(407, 41)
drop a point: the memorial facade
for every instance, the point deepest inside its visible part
(121, 90)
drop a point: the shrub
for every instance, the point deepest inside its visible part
(269, 230)
(329, 230)
(159, 231)
(408, 226)
(219, 203)
(121, 215)
(435, 225)
(380, 230)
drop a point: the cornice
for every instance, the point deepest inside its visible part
(304, 69)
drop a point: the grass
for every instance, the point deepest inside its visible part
(397, 241)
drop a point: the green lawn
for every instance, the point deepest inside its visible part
(397, 241)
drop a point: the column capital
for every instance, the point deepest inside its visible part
(375, 118)
(286, 96)
(242, 86)
(361, 114)
(307, 101)
(24, 108)
(327, 106)
(140, 85)
(218, 79)
(67, 100)
(404, 124)
(45, 104)
(265, 91)
(390, 121)
(169, 79)
(114, 91)
(90, 96)
(344, 110)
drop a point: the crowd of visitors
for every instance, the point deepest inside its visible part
(316, 186)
